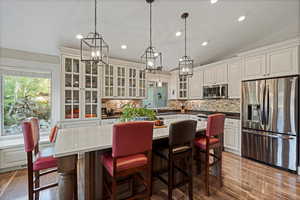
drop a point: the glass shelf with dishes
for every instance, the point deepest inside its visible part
(81, 90)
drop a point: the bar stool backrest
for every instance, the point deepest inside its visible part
(182, 132)
(215, 125)
(131, 138)
(31, 134)
(53, 134)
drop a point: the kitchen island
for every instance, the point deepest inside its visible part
(89, 142)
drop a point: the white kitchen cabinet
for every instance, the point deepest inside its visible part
(109, 84)
(221, 73)
(216, 74)
(172, 86)
(283, 62)
(183, 87)
(254, 67)
(272, 63)
(80, 89)
(234, 79)
(121, 83)
(142, 83)
(232, 136)
(196, 85)
(209, 76)
(132, 85)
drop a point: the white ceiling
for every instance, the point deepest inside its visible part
(42, 26)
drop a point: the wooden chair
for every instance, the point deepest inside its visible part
(213, 140)
(37, 160)
(180, 148)
(131, 155)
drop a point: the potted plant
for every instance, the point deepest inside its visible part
(132, 113)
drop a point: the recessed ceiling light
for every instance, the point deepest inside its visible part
(204, 43)
(241, 18)
(124, 46)
(178, 33)
(79, 36)
(213, 1)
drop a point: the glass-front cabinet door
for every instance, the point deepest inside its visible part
(132, 82)
(91, 90)
(121, 76)
(142, 83)
(183, 87)
(109, 81)
(80, 89)
(71, 81)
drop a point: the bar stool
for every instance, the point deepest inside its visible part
(131, 155)
(53, 134)
(179, 148)
(41, 160)
(213, 140)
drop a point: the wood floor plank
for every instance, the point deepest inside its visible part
(243, 180)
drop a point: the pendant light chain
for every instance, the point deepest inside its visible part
(150, 24)
(95, 16)
(184, 36)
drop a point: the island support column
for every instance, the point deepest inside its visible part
(93, 170)
(67, 183)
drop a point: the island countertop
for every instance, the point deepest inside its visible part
(161, 113)
(80, 140)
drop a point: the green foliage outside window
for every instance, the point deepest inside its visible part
(25, 97)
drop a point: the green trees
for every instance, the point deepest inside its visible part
(25, 97)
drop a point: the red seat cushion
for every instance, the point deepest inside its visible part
(45, 160)
(201, 142)
(123, 163)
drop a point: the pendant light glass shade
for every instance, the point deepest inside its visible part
(93, 47)
(186, 64)
(151, 57)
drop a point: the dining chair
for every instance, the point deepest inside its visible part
(130, 156)
(212, 140)
(37, 161)
(178, 149)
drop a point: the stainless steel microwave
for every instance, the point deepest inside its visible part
(215, 91)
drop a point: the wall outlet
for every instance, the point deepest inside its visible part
(298, 170)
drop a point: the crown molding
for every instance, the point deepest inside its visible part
(112, 61)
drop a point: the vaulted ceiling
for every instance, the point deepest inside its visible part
(42, 26)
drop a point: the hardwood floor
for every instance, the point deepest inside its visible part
(243, 179)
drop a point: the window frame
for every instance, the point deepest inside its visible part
(22, 72)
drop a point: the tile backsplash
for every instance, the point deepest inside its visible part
(221, 105)
(117, 104)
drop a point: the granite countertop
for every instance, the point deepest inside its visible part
(200, 113)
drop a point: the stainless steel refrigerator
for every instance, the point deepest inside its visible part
(270, 121)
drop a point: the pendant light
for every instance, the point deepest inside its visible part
(95, 46)
(151, 57)
(186, 64)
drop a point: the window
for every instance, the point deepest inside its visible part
(24, 97)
